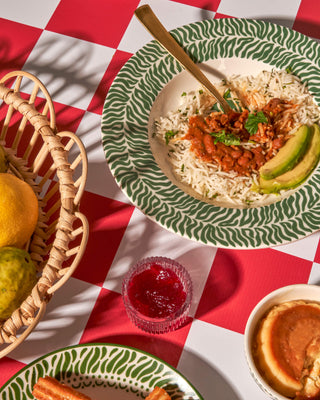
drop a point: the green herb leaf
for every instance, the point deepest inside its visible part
(169, 135)
(227, 138)
(289, 70)
(227, 94)
(215, 107)
(253, 120)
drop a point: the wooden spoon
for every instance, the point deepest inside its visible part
(150, 21)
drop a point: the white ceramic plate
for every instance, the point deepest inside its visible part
(102, 371)
(151, 83)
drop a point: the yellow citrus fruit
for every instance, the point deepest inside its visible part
(18, 211)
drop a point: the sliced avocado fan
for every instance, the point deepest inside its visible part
(299, 173)
(289, 155)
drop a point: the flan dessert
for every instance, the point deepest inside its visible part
(287, 349)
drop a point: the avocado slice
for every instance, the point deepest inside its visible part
(289, 155)
(298, 174)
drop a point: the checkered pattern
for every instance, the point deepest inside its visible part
(76, 47)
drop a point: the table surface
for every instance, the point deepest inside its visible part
(77, 48)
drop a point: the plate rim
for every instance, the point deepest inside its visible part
(94, 345)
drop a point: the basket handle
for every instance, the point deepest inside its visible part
(81, 158)
(26, 333)
(37, 85)
(79, 252)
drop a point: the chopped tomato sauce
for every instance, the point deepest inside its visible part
(270, 136)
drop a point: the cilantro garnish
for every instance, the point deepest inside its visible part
(169, 135)
(227, 94)
(289, 70)
(227, 138)
(215, 107)
(233, 102)
(253, 120)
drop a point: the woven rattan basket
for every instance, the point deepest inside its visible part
(40, 155)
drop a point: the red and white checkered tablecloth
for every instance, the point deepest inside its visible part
(76, 47)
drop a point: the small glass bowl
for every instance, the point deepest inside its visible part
(172, 321)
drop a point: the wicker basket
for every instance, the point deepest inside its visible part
(39, 155)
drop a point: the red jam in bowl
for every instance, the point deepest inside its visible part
(157, 294)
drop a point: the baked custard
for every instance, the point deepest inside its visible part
(287, 349)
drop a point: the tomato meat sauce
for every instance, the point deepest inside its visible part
(209, 135)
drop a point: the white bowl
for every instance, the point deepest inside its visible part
(287, 293)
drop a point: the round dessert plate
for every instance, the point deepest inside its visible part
(102, 371)
(151, 83)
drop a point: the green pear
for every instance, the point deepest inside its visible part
(18, 276)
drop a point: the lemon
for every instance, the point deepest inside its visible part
(18, 211)
(17, 278)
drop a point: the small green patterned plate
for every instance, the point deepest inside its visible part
(149, 85)
(102, 371)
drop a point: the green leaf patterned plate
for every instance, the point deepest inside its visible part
(102, 371)
(150, 84)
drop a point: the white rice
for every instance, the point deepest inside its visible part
(206, 179)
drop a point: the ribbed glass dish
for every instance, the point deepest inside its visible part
(172, 299)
